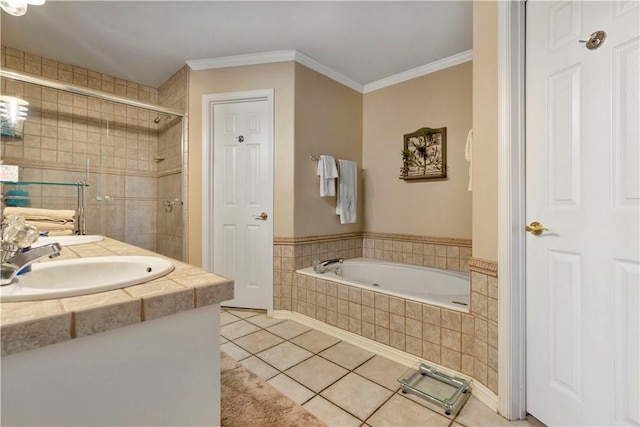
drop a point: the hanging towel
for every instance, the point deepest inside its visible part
(346, 204)
(328, 172)
(468, 155)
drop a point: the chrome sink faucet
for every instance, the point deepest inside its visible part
(321, 267)
(13, 265)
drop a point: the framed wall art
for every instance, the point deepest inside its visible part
(424, 155)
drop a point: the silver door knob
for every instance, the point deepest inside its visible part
(263, 216)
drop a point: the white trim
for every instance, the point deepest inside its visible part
(481, 392)
(511, 210)
(207, 162)
(307, 61)
(275, 56)
(239, 60)
(451, 61)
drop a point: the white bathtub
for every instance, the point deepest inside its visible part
(443, 288)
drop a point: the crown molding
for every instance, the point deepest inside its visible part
(307, 61)
(423, 70)
(269, 57)
(239, 60)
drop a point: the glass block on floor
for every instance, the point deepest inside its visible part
(437, 387)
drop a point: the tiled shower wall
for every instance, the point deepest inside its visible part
(65, 132)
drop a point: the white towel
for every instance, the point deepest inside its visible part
(347, 202)
(328, 172)
(468, 155)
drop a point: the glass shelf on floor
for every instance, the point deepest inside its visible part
(437, 387)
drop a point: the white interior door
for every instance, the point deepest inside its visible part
(243, 201)
(582, 182)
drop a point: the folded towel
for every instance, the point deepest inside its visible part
(468, 155)
(50, 215)
(51, 226)
(61, 233)
(347, 202)
(328, 172)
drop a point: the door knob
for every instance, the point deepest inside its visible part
(263, 216)
(535, 228)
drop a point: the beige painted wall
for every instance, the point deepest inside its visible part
(485, 132)
(425, 208)
(277, 76)
(328, 120)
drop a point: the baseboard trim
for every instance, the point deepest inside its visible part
(481, 392)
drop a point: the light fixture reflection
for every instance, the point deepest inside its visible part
(18, 7)
(12, 110)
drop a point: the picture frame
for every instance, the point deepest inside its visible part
(424, 155)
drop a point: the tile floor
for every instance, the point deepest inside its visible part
(341, 384)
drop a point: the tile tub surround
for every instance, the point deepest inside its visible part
(480, 332)
(423, 330)
(28, 325)
(439, 252)
(291, 254)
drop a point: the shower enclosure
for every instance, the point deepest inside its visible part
(128, 153)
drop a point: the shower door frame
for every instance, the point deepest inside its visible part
(81, 90)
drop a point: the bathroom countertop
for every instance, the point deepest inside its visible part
(28, 325)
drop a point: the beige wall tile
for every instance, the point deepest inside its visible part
(451, 320)
(450, 358)
(431, 314)
(451, 339)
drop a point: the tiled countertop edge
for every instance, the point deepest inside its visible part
(33, 324)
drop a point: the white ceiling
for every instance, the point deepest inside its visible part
(148, 41)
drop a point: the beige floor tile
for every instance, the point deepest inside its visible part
(347, 355)
(258, 367)
(315, 341)
(428, 404)
(399, 411)
(357, 395)
(226, 318)
(264, 321)
(243, 314)
(316, 373)
(258, 341)
(475, 414)
(292, 389)
(234, 351)
(223, 339)
(330, 413)
(383, 371)
(288, 329)
(237, 329)
(285, 355)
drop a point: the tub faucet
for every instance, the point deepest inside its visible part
(321, 267)
(13, 265)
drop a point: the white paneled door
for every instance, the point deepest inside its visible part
(243, 201)
(582, 183)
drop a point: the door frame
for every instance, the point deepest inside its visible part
(208, 100)
(511, 210)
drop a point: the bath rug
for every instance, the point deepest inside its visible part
(248, 401)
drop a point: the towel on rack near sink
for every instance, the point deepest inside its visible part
(328, 172)
(347, 202)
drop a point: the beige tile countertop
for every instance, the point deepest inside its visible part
(28, 325)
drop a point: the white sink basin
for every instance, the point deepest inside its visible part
(72, 277)
(67, 240)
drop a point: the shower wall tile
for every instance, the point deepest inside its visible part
(67, 132)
